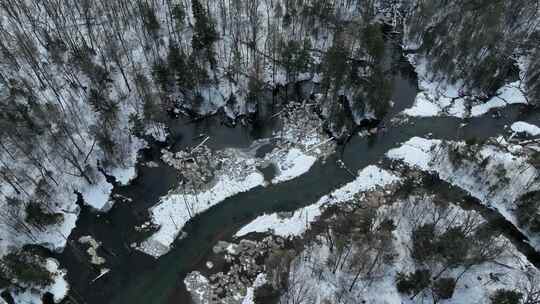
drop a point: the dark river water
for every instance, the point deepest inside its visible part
(138, 278)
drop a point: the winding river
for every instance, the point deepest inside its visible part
(137, 278)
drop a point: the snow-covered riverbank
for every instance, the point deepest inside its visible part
(323, 272)
(210, 177)
(286, 225)
(491, 173)
(438, 98)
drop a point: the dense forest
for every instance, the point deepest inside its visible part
(86, 84)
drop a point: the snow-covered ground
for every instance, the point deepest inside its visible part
(299, 145)
(312, 277)
(98, 195)
(438, 98)
(292, 165)
(59, 288)
(63, 201)
(489, 173)
(65, 155)
(197, 285)
(260, 280)
(55, 236)
(175, 210)
(417, 151)
(527, 128)
(235, 172)
(296, 224)
(67, 86)
(157, 131)
(233, 24)
(226, 286)
(93, 246)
